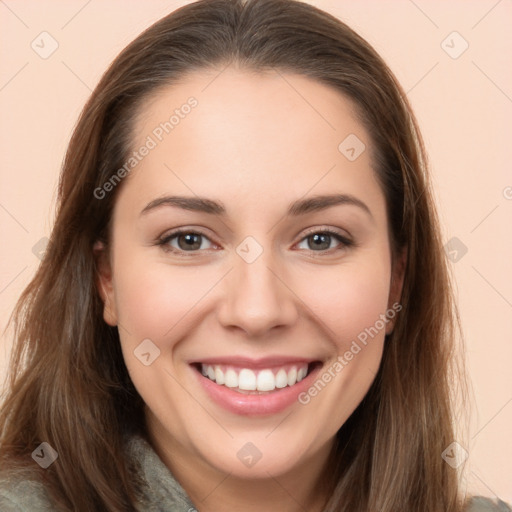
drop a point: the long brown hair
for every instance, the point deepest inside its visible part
(68, 384)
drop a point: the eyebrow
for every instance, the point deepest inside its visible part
(299, 207)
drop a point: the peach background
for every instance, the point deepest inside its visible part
(463, 106)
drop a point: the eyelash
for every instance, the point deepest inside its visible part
(164, 241)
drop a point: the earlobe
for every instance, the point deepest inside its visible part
(104, 282)
(396, 286)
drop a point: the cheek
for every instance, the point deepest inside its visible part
(153, 299)
(349, 300)
(157, 302)
(350, 306)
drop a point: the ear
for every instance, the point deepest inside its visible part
(397, 282)
(104, 282)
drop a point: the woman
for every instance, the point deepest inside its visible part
(244, 302)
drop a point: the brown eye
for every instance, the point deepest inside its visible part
(320, 241)
(185, 241)
(189, 241)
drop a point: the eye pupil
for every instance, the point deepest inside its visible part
(191, 241)
(321, 238)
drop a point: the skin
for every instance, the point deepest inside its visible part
(256, 145)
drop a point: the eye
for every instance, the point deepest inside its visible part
(184, 241)
(320, 241)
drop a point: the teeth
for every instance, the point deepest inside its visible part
(266, 381)
(245, 379)
(230, 379)
(281, 379)
(292, 376)
(219, 375)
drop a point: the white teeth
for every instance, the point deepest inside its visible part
(231, 379)
(281, 379)
(266, 381)
(292, 376)
(245, 379)
(219, 375)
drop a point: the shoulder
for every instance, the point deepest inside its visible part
(161, 490)
(482, 504)
(21, 495)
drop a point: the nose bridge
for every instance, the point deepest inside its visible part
(256, 299)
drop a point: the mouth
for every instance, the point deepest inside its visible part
(250, 387)
(256, 381)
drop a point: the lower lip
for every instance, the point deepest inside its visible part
(255, 405)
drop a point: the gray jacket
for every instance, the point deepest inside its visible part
(163, 494)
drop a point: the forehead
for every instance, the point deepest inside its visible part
(271, 109)
(253, 135)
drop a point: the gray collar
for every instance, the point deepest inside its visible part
(162, 493)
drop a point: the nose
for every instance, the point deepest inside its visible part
(257, 297)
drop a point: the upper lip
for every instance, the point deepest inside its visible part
(247, 362)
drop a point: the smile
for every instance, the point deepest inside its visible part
(255, 387)
(247, 380)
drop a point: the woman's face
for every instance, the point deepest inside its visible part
(254, 292)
